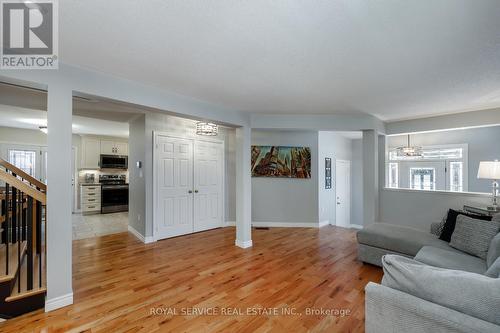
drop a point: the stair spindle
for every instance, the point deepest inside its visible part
(8, 225)
(30, 244)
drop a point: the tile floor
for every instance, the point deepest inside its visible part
(87, 226)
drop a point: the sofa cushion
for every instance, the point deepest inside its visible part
(474, 236)
(450, 259)
(451, 221)
(396, 238)
(494, 250)
(470, 293)
(494, 270)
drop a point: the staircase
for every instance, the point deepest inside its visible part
(22, 242)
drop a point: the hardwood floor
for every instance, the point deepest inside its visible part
(122, 285)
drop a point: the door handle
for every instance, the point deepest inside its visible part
(190, 191)
(338, 203)
(195, 191)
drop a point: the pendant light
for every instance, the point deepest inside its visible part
(207, 129)
(409, 150)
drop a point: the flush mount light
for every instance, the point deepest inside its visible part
(204, 128)
(409, 150)
(43, 129)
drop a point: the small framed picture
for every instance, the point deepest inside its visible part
(328, 173)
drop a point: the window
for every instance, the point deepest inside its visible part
(440, 168)
(24, 160)
(393, 175)
(422, 178)
(456, 176)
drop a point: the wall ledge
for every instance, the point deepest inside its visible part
(465, 194)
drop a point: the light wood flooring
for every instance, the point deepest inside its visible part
(122, 285)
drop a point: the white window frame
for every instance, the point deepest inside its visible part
(464, 160)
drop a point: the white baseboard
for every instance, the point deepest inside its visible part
(283, 224)
(145, 240)
(243, 244)
(324, 223)
(355, 226)
(58, 302)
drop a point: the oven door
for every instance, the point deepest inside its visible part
(114, 162)
(114, 198)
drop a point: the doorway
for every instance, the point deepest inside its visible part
(343, 193)
(188, 185)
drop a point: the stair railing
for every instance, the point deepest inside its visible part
(23, 204)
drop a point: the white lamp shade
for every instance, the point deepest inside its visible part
(489, 170)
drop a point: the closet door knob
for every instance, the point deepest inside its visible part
(190, 191)
(195, 191)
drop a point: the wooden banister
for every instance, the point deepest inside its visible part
(23, 175)
(22, 186)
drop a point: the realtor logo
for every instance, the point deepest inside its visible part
(29, 34)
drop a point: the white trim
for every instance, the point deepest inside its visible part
(243, 244)
(355, 226)
(145, 240)
(230, 224)
(58, 302)
(323, 223)
(469, 194)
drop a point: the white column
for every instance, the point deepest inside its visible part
(59, 229)
(370, 176)
(243, 188)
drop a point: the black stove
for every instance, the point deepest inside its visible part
(114, 193)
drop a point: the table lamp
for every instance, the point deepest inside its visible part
(490, 170)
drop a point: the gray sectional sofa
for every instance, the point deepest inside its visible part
(395, 309)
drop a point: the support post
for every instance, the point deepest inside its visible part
(243, 188)
(370, 177)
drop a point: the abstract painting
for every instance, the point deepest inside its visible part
(280, 161)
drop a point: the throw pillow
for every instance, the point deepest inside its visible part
(470, 293)
(474, 236)
(494, 270)
(494, 250)
(451, 220)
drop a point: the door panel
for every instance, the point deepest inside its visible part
(174, 162)
(208, 184)
(343, 193)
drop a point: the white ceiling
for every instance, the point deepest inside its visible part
(394, 59)
(13, 116)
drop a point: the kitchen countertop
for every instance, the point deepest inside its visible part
(90, 184)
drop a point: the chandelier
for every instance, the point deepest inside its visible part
(204, 128)
(409, 150)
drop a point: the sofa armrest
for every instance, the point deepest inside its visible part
(390, 310)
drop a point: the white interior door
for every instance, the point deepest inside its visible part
(174, 184)
(343, 193)
(208, 183)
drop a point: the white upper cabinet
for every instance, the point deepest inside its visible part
(121, 148)
(91, 148)
(109, 147)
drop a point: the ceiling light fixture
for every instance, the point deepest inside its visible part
(208, 129)
(409, 150)
(43, 129)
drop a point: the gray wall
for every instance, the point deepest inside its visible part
(281, 199)
(137, 180)
(334, 146)
(419, 209)
(484, 145)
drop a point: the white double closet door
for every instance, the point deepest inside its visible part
(189, 185)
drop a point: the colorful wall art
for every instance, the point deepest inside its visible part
(280, 161)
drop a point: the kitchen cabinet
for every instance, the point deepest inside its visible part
(90, 153)
(109, 147)
(90, 198)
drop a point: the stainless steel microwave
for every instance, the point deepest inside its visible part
(113, 162)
